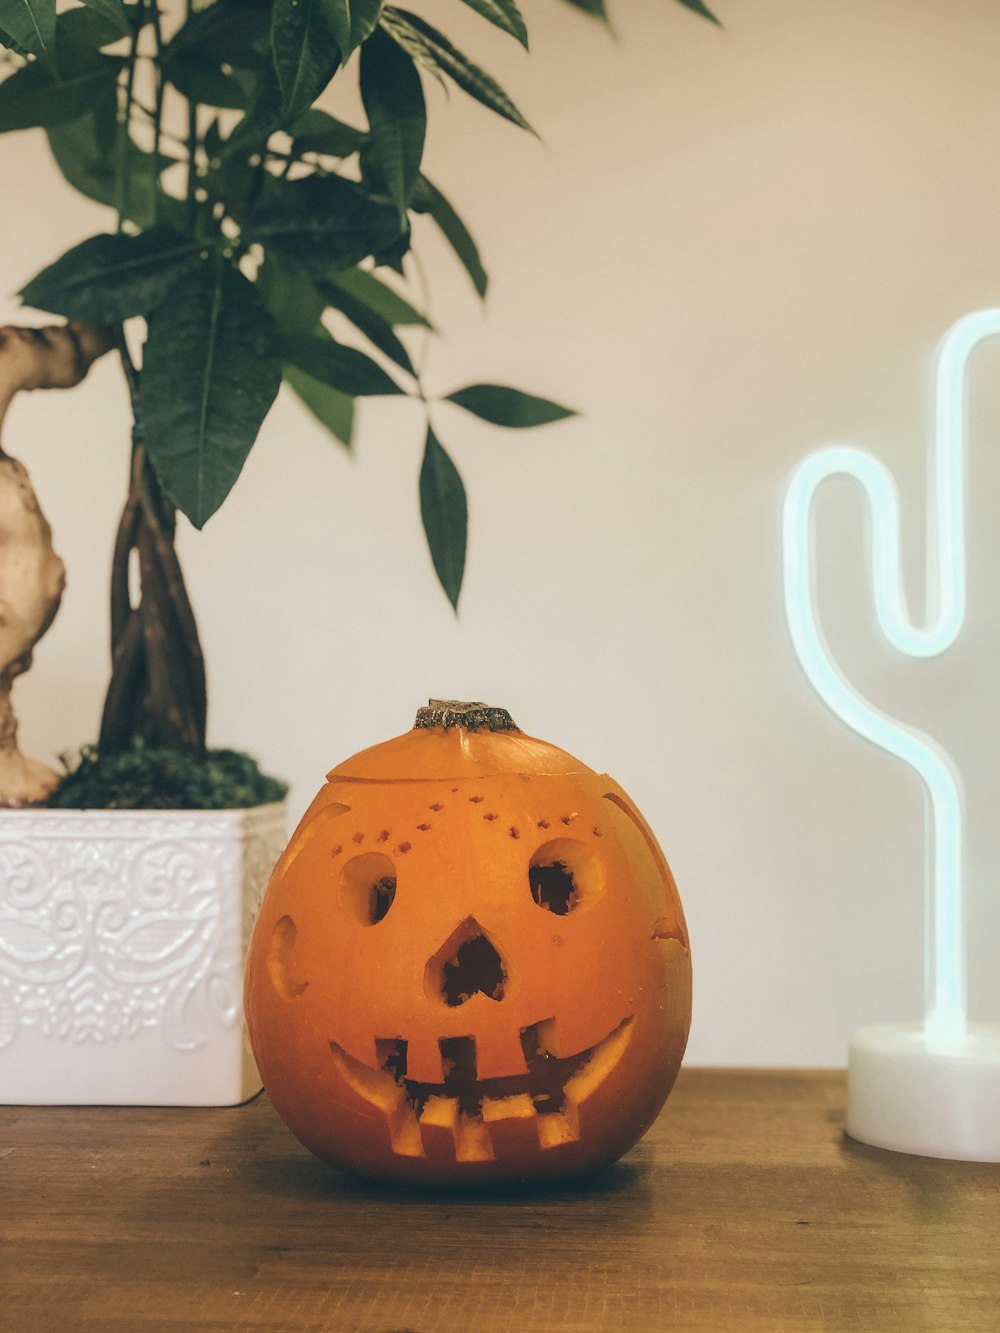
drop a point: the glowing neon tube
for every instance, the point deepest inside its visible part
(945, 994)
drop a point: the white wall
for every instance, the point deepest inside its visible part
(732, 247)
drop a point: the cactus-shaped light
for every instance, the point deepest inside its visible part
(930, 1087)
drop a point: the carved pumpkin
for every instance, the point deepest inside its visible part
(471, 962)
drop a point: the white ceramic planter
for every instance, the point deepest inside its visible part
(122, 939)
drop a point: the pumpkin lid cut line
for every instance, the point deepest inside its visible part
(441, 748)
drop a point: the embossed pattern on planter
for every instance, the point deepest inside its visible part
(115, 922)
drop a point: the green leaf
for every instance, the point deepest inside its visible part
(8, 41)
(429, 199)
(32, 25)
(340, 367)
(316, 132)
(232, 179)
(297, 306)
(200, 80)
(210, 373)
(377, 330)
(322, 224)
(114, 14)
(31, 96)
(264, 115)
(80, 34)
(220, 53)
(84, 148)
(508, 407)
(394, 103)
(304, 51)
(503, 14)
(330, 407)
(697, 7)
(378, 297)
(445, 516)
(596, 8)
(85, 151)
(234, 32)
(107, 279)
(291, 298)
(432, 49)
(392, 255)
(268, 109)
(352, 22)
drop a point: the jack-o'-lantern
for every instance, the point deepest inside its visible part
(471, 962)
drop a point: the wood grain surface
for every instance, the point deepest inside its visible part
(743, 1209)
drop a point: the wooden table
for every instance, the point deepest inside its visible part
(744, 1209)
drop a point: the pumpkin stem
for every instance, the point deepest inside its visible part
(469, 716)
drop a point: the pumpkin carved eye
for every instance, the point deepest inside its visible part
(564, 875)
(368, 887)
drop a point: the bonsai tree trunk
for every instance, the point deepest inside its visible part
(157, 690)
(32, 576)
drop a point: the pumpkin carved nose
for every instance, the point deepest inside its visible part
(467, 964)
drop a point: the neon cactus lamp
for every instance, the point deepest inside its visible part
(930, 1087)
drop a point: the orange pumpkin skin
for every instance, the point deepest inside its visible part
(470, 965)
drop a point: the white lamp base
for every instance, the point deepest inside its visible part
(931, 1096)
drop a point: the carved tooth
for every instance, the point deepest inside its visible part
(472, 1141)
(558, 1127)
(404, 1131)
(441, 1111)
(518, 1107)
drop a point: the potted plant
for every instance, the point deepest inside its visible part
(246, 221)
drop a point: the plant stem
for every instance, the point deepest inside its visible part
(128, 366)
(192, 145)
(426, 331)
(125, 117)
(157, 687)
(157, 110)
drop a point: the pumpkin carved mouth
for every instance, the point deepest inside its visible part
(476, 1109)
